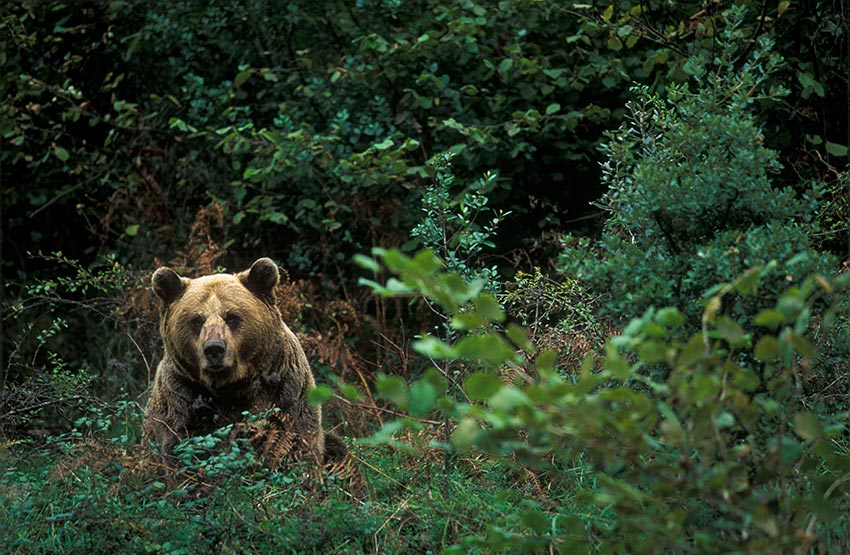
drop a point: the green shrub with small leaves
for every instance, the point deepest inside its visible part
(459, 227)
(700, 442)
(691, 200)
(48, 378)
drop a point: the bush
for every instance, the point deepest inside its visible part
(699, 442)
(690, 198)
(72, 341)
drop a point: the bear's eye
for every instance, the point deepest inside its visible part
(232, 320)
(196, 323)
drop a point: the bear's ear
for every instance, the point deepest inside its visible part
(262, 278)
(167, 285)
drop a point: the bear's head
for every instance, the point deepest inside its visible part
(219, 328)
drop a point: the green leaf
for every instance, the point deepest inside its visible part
(807, 426)
(489, 307)
(790, 449)
(731, 331)
(614, 43)
(488, 347)
(766, 349)
(672, 431)
(350, 392)
(432, 347)
(519, 336)
(385, 144)
(770, 318)
(618, 367)
(803, 346)
(366, 262)
(425, 261)
(654, 331)
(422, 398)
(132, 230)
(670, 317)
(241, 77)
(319, 394)
(393, 389)
(61, 153)
(810, 85)
(252, 172)
(724, 420)
(480, 386)
(553, 108)
(742, 377)
(835, 149)
(692, 352)
(278, 217)
(452, 291)
(512, 129)
(748, 283)
(767, 523)
(652, 352)
(465, 433)
(396, 287)
(509, 398)
(468, 321)
(506, 65)
(535, 521)
(546, 361)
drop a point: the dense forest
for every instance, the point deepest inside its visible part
(571, 276)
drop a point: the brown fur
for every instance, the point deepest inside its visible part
(227, 351)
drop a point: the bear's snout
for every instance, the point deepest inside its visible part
(214, 351)
(216, 347)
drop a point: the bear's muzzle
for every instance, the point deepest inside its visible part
(216, 347)
(215, 351)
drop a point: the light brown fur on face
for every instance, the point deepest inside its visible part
(227, 351)
(221, 327)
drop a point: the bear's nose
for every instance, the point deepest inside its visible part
(214, 350)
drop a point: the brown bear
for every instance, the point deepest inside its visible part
(228, 351)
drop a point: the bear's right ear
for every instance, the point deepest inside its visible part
(167, 285)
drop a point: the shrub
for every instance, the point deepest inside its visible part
(559, 315)
(65, 332)
(690, 198)
(699, 442)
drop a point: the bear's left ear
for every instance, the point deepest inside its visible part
(262, 278)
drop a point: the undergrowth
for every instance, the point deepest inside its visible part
(492, 415)
(91, 491)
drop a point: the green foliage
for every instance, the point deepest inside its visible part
(48, 379)
(36, 393)
(452, 228)
(221, 502)
(124, 118)
(218, 507)
(558, 314)
(690, 198)
(697, 442)
(195, 133)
